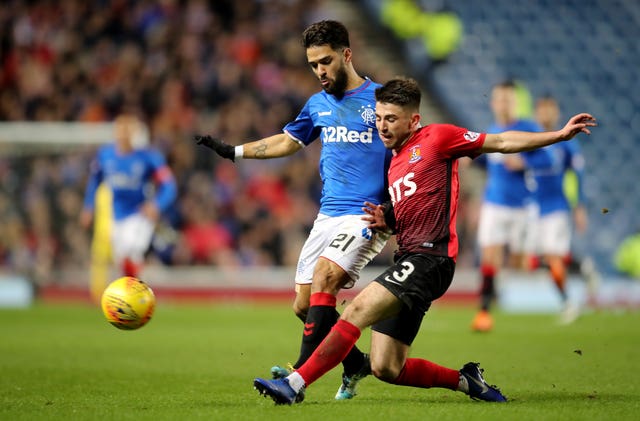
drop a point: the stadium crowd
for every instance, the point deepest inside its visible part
(234, 69)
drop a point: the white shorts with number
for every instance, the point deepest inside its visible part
(344, 240)
(131, 237)
(553, 234)
(502, 225)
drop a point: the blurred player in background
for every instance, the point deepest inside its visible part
(353, 166)
(142, 187)
(502, 225)
(553, 226)
(424, 186)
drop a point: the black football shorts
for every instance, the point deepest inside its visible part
(417, 280)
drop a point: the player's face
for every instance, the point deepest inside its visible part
(395, 124)
(330, 68)
(503, 104)
(124, 128)
(547, 114)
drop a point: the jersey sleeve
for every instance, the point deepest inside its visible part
(455, 142)
(163, 179)
(303, 129)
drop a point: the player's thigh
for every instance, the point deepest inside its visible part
(351, 247)
(372, 304)
(329, 277)
(318, 239)
(555, 231)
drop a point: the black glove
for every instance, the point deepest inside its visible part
(223, 149)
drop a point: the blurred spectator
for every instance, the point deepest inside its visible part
(194, 66)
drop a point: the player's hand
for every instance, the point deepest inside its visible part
(374, 216)
(150, 211)
(579, 123)
(221, 148)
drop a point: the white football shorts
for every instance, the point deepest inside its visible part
(131, 237)
(502, 225)
(553, 234)
(344, 240)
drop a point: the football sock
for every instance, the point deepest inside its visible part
(422, 373)
(487, 290)
(295, 381)
(129, 268)
(333, 349)
(559, 276)
(321, 317)
(302, 317)
(353, 362)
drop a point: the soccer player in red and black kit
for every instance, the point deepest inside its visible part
(423, 182)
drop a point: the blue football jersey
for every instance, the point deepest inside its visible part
(353, 161)
(504, 186)
(130, 177)
(548, 173)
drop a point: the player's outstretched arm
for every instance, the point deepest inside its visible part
(516, 141)
(270, 147)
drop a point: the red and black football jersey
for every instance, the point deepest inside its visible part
(424, 186)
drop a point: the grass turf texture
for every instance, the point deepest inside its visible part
(198, 362)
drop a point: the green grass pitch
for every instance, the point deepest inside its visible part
(198, 361)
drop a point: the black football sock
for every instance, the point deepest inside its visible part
(487, 290)
(353, 362)
(321, 317)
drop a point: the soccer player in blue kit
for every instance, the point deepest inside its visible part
(504, 213)
(552, 228)
(353, 165)
(129, 171)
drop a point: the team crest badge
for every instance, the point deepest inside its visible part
(368, 114)
(414, 154)
(471, 136)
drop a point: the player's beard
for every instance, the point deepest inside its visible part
(338, 86)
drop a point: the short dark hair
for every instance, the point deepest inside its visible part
(507, 83)
(401, 91)
(326, 32)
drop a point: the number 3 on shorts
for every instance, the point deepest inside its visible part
(401, 275)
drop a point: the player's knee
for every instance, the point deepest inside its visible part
(384, 372)
(300, 311)
(329, 277)
(301, 306)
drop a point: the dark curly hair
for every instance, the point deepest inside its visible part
(326, 32)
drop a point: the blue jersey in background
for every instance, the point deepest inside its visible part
(130, 177)
(506, 187)
(353, 161)
(548, 172)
